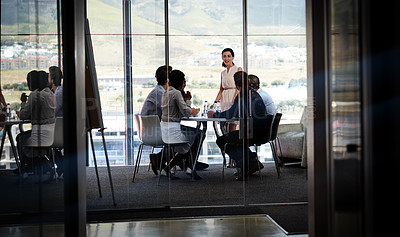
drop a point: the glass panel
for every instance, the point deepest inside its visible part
(148, 53)
(29, 41)
(106, 28)
(199, 31)
(277, 53)
(29, 17)
(345, 120)
(277, 56)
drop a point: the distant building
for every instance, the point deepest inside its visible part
(17, 63)
(5, 64)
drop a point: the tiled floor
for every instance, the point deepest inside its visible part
(257, 225)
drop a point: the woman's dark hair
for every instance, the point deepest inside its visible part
(55, 75)
(176, 79)
(43, 80)
(162, 74)
(228, 50)
(32, 80)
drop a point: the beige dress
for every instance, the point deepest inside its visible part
(228, 83)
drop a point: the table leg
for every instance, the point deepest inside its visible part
(204, 123)
(3, 139)
(14, 150)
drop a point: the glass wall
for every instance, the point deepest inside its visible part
(106, 28)
(198, 31)
(30, 40)
(277, 55)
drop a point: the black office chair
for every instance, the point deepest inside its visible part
(265, 139)
(273, 143)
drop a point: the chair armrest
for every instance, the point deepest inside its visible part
(283, 128)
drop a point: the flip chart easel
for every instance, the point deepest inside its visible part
(93, 105)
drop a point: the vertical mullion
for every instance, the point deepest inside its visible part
(129, 149)
(166, 25)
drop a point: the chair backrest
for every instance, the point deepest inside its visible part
(275, 125)
(269, 121)
(267, 132)
(151, 130)
(138, 125)
(58, 140)
(303, 119)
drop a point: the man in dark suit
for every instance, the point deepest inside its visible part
(256, 111)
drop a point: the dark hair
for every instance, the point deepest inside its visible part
(238, 76)
(228, 50)
(55, 75)
(254, 81)
(43, 80)
(176, 79)
(32, 80)
(162, 74)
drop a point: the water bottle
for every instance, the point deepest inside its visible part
(8, 112)
(205, 108)
(218, 107)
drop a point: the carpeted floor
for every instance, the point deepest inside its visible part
(284, 199)
(211, 190)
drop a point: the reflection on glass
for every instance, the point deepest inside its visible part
(29, 41)
(277, 53)
(198, 32)
(345, 116)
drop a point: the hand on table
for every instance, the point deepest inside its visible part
(194, 111)
(210, 114)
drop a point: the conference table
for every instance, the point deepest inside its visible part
(202, 122)
(7, 131)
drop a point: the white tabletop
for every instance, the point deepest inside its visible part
(14, 121)
(205, 119)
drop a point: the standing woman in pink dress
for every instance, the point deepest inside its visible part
(227, 90)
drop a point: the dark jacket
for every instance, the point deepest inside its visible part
(258, 114)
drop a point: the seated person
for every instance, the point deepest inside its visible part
(152, 106)
(55, 78)
(40, 109)
(22, 137)
(254, 82)
(235, 148)
(197, 143)
(174, 107)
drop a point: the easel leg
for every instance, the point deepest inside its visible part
(108, 167)
(95, 162)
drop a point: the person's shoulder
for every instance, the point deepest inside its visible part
(46, 90)
(257, 94)
(59, 90)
